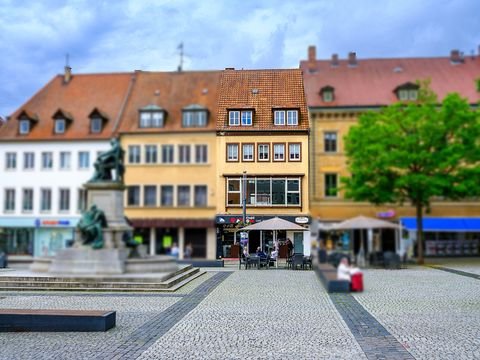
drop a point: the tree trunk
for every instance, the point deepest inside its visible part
(419, 208)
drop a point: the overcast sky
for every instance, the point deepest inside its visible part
(124, 35)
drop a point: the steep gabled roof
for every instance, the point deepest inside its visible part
(372, 81)
(262, 91)
(171, 92)
(82, 94)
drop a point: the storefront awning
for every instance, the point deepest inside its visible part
(443, 224)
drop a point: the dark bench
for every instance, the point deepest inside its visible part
(328, 275)
(56, 320)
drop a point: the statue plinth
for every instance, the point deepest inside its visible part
(87, 261)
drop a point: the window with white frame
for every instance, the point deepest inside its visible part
(60, 125)
(279, 117)
(133, 195)
(168, 154)
(83, 160)
(264, 191)
(330, 141)
(201, 154)
(232, 152)
(294, 152)
(279, 152)
(47, 160)
(200, 195)
(151, 119)
(331, 185)
(81, 200)
(184, 154)
(234, 118)
(240, 117)
(183, 195)
(247, 117)
(65, 160)
(194, 118)
(28, 160)
(64, 200)
(166, 196)
(150, 195)
(27, 201)
(24, 127)
(292, 117)
(96, 125)
(9, 200)
(134, 154)
(263, 152)
(10, 160)
(248, 152)
(45, 199)
(151, 154)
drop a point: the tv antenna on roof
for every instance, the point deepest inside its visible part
(180, 47)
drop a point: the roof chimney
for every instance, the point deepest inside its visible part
(455, 57)
(67, 75)
(312, 58)
(352, 59)
(334, 62)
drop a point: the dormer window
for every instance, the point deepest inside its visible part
(240, 117)
(26, 121)
(407, 92)
(24, 127)
(60, 126)
(97, 121)
(62, 119)
(151, 116)
(194, 116)
(285, 117)
(327, 93)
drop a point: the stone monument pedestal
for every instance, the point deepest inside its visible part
(87, 261)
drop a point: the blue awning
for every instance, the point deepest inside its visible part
(443, 224)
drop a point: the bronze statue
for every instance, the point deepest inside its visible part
(107, 161)
(91, 225)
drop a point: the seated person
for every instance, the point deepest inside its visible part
(343, 270)
(260, 253)
(274, 254)
(245, 252)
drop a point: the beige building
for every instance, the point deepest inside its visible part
(262, 156)
(168, 133)
(338, 91)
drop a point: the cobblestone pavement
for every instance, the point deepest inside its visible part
(468, 265)
(269, 314)
(434, 314)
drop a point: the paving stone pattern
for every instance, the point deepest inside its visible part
(433, 314)
(374, 339)
(261, 314)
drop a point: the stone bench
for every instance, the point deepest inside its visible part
(328, 275)
(15, 320)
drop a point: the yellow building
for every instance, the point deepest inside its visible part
(262, 157)
(168, 133)
(338, 91)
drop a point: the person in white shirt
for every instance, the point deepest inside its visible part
(343, 270)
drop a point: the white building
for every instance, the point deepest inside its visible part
(47, 150)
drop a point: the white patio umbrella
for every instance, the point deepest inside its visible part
(364, 222)
(275, 224)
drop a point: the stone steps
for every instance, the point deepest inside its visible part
(168, 283)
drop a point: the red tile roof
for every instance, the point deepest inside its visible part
(78, 97)
(172, 91)
(274, 89)
(372, 81)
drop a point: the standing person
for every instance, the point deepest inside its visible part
(290, 247)
(188, 251)
(175, 250)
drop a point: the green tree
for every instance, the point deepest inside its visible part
(413, 152)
